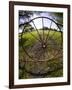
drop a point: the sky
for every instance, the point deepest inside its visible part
(38, 21)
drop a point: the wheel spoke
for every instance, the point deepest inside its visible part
(31, 33)
(34, 36)
(48, 32)
(43, 28)
(37, 31)
(52, 35)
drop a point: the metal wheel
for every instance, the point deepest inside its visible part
(44, 45)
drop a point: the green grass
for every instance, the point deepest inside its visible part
(29, 40)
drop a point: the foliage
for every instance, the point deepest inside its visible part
(26, 27)
(58, 17)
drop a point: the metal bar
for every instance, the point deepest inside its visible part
(34, 36)
(52, 35)
(37, 31)
(43, 28)
(48, 32)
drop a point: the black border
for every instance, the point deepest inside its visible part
(11, 43)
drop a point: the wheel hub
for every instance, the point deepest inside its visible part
(44, 46)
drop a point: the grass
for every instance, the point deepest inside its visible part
(28, 41)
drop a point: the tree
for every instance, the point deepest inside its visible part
(27, 27)
(25, 15)
(58, 17)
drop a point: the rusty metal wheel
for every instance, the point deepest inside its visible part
(44, 45)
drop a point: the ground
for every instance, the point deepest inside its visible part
(40, 58)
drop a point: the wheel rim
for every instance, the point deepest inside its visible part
(44, 48)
